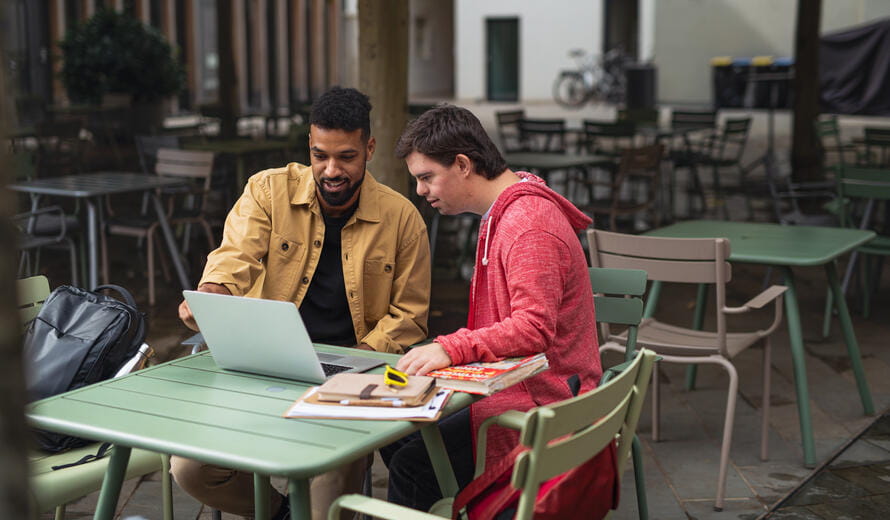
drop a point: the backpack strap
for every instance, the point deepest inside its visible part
(101, 452)
(123, 292)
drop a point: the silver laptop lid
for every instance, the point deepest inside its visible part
(254, 335)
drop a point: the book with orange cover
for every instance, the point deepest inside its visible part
(488, 378)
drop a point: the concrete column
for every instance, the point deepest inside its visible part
(383, 75)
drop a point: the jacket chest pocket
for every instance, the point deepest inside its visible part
(377, 288)
(283, 264)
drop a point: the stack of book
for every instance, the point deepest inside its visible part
(488, 378)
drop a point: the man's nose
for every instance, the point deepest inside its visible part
(421, 189)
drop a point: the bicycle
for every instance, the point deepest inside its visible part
(600, 79)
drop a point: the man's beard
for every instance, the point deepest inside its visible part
(341, 197)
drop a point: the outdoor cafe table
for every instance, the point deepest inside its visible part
(191, 408)
(786, 247)
(90, 187)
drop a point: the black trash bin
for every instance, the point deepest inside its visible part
(730, 80)
(641, 81)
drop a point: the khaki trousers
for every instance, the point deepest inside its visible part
(231, 490)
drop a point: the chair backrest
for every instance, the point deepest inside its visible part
(828, 131)
(676, 260)
(731, 142)
(60, 149)
(638, 166)
(582, 425)
(543, 135)
(861, 183)
(877, 146)
(193, 164)
(608, 137)
(508, 129)
(693, 119)
(32, 292)
(616, 300)
(148, 145)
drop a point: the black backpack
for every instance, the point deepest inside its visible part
(79, 338)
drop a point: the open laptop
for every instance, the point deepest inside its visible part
(265, 337)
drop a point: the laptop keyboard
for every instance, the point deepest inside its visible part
(331, 369)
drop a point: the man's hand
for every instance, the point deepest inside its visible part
(185, 313)
(420, 360)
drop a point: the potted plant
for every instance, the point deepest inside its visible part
(113, 54)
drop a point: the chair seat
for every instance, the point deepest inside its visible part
(49, 224)
(50, 488)
(671, 340)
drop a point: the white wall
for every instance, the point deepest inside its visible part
(688, 33)
(547, 31)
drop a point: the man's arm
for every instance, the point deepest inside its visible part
(185, 313)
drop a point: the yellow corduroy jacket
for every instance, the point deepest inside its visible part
(273, 239)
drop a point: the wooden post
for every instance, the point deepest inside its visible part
(13, 433)
(805, 159)
(383, 75)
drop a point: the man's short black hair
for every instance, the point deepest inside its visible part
(342, 109)
(446, 130)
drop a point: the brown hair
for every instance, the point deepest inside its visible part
(444, 131)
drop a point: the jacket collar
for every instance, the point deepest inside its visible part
(303, 193)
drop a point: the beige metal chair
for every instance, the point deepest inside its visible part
(583, 425)
(54, 488)
(186, 207)
(695, 261)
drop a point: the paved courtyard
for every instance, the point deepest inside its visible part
(681, 469)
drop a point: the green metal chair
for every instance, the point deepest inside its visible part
(618, 402)
(616, 297)
(53, 489)
(859, 190)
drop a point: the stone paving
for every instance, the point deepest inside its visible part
(850, 481)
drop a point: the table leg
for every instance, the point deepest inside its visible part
(850, 338)
(435, 447)
(111, 484)
(298, 494)
(171, 243)
(795, 338)
(92, 243)
(261, 497)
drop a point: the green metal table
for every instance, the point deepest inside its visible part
(785, 247)
(191, 408)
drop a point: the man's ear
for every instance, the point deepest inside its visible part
(464, 164)
(372, 145)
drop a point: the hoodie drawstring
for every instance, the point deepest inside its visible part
(487, 237)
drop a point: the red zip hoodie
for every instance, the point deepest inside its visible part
(530, 293)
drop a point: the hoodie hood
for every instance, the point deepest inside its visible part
(536, 187)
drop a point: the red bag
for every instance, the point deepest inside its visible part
(587, 491)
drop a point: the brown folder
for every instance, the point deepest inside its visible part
(370, 390)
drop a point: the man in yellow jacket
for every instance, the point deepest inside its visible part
(351, 253)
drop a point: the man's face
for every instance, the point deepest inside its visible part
(440, 185)
(338, 162)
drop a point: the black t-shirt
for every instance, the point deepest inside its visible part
(325, 309)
